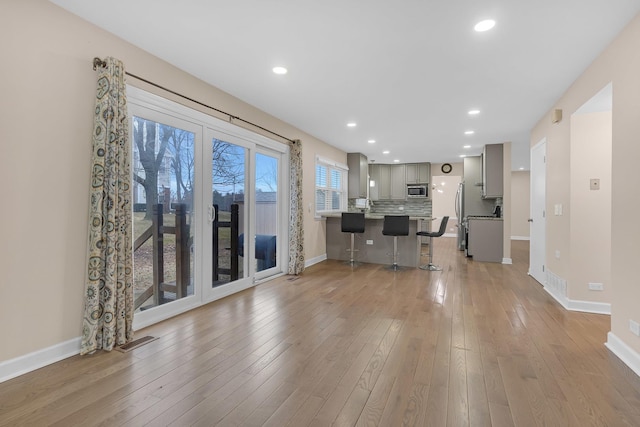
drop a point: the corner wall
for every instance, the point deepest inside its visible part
(619, 64)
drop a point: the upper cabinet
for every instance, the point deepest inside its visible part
(358, 175)
(418, 173)
(389, 182)
(492, 171)
(380, 182)
(398, 182)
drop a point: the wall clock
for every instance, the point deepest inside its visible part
(446, 168)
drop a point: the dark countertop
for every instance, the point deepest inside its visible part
(380, 216)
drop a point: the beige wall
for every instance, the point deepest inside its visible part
(48, 90)
(620, 65)
(520, 201)
(590, 212)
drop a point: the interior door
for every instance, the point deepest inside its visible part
(537, 220)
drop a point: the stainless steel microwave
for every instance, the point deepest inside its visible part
(417, 191)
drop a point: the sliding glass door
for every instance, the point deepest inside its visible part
(163, 171)
(209, 207)
(267, 208)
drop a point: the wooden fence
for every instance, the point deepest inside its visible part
(183, 256)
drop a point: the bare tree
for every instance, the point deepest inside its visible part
(182, 160)
(228, 164)
(267, 174)
(151, 150)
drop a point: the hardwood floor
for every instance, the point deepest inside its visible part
(477, 344)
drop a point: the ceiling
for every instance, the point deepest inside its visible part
(407, 72)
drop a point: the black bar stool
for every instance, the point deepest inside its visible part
(352, 222)
(431, 234)
(395, 225)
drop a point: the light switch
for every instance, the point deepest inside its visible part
(594, 184)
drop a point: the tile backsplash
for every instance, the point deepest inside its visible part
(411, 207)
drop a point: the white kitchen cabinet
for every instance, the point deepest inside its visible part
(492, 171)
(418, 173)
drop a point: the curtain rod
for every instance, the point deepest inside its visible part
(97, 62)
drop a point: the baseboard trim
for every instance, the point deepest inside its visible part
(507, 261)
(520, 238)
(30, 362)
(629, 356)
(578, 305)
(312, 261)
(450, 235)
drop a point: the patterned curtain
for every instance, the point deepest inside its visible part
(108, 314)
(296, 236)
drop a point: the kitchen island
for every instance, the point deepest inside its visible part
(372, 246)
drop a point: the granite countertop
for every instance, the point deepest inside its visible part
(370, 215)
(484, 218)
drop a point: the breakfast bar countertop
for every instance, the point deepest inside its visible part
(369, 215)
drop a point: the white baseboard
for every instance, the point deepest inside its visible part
(577, 305)
(556, 286)
(629, 356)
(312, 261)
(36, 360)
(450, 235)
(520, 238)
(507, 261)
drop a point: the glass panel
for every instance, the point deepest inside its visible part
(266, 211)
(163, 218)
(228, 187)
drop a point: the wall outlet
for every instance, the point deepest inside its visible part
(594, 184)
(369, 242)
(634, 327)
(596, 287)
(557, 254)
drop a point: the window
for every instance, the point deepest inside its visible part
(331, 186)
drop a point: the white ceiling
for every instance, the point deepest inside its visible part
(406, 71)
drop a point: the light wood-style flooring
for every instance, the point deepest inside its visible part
(478, 344)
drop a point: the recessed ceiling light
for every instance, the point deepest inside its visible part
(280, 70)
(469, 132)
(371, 141)
(485, 25)
(385, 152)
(396, 161)
(521, 169)
(474, 112)
(466, 146)
(352, 124)
(463, 155)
